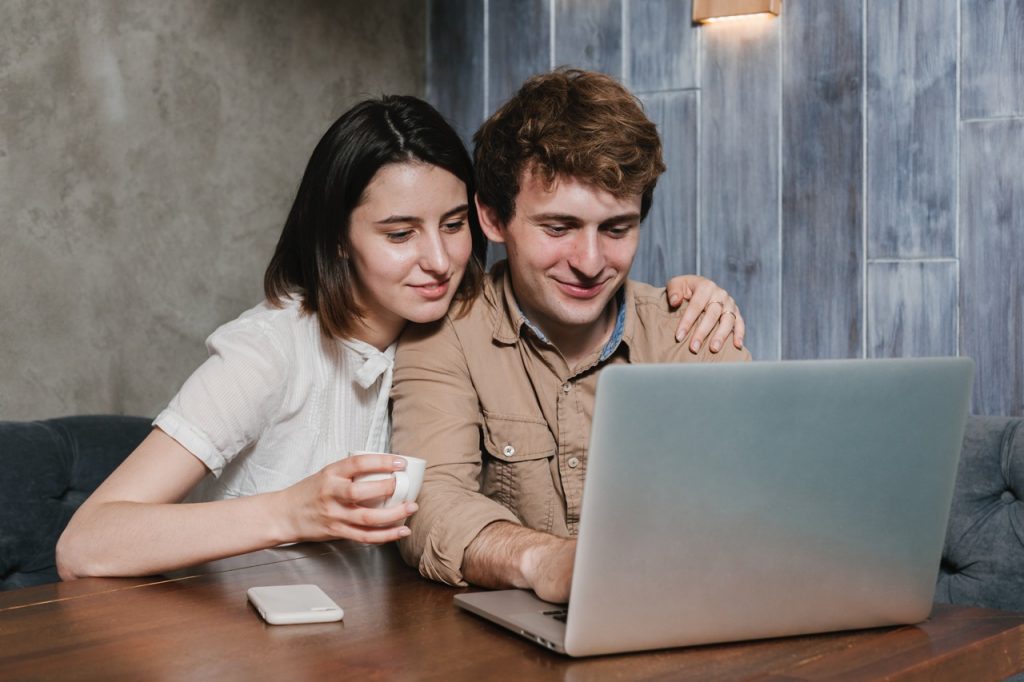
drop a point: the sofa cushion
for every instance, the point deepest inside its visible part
(983, 561)
(49, 468)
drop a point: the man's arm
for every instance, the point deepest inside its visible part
(436, 415)
(508, 555)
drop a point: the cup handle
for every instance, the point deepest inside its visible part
(401, 489)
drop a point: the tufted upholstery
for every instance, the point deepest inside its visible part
(983, 561)
(48, 469)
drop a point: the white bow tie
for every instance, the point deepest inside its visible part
(372, 368)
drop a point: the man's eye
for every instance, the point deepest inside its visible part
(454, 225)
(556, 230)
(399, 236)
(618, 231)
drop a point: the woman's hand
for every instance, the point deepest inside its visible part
(330, 504)
(709, 304)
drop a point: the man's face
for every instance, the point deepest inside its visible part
(570, 247)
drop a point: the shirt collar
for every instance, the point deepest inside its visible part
(510, 321)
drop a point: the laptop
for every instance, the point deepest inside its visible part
(745, 501)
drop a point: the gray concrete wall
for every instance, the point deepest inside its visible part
(149, 152)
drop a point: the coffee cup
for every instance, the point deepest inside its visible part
(407, 480)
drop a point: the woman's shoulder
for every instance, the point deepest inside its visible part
(282, 324)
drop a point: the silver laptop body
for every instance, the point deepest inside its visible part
(743, 501)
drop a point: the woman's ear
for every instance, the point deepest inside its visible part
(489, 222)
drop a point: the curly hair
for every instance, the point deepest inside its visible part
(569, 123)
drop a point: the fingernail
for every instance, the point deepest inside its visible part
(411, 507)
(404, 531)
(715, 347)
(694, 346)
(399, 463)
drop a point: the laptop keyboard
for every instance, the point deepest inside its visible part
(559, 615)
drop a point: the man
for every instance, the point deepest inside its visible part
(499, 400)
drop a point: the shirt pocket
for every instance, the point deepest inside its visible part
(517, 470)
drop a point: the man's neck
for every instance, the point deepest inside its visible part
(577, 342)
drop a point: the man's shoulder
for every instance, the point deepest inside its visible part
(467, 319)
(653, 334)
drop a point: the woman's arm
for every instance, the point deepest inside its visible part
(133, 523)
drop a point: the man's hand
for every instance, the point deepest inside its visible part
(507, 555)
(547, 568)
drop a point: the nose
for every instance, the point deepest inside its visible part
(434, 253)
(587, 258)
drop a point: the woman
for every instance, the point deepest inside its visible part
(382, 232)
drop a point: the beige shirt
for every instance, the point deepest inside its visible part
(503, 422)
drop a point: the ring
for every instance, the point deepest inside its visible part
(729, 312)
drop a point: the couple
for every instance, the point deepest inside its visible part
(493, 385)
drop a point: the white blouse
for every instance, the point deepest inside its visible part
(277, 401)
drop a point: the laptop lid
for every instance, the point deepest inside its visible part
(741, 501)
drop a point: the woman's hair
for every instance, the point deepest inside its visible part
(568, 123)
(308, 259)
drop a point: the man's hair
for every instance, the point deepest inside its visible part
(310, 259)
(568, 123)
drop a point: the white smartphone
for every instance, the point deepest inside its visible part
(289, 604)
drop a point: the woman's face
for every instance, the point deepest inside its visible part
(410, 243)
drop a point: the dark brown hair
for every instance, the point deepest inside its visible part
(369, 136)
(569, 123)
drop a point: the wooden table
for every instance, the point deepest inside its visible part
(197, 625)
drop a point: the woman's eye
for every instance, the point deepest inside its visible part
(399, 235)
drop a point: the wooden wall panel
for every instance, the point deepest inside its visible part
(911, 124)
(455, 62)
(821, 179)
(992, 50)
(588, 35)
(992, 262)
(912, 309)
(668, 235)
(663, 44)
(739, 173)
(520, 46)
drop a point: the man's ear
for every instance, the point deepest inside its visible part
(489, 222)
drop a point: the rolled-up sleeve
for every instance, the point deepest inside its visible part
(436, 415)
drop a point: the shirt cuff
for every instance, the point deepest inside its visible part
(450, 535)
(175, 426)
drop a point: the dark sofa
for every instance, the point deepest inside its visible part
(50, 467)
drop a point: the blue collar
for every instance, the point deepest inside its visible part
(613, 341)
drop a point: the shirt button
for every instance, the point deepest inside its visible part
(573, 462)
(566, 387)
(508, 451)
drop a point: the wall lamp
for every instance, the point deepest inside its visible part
(706, 11)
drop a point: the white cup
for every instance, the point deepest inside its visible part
(407, 481)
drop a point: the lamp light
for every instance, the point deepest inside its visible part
(705, 11)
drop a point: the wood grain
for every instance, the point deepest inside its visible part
(520, 46)
(588, 35)
(399, 626)
(912, 309)
(739, 173)
(992, 72)
(911, 128)
(821, 180)
(455, 63)
(663, 44)
(668, 237)
(992, 262)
